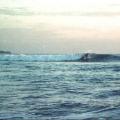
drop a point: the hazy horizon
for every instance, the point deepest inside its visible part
(60, 27)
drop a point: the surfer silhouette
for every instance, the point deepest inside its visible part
(86, 57)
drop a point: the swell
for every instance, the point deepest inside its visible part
(85, 57)
(92, 57)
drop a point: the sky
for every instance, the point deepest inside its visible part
(60, 26)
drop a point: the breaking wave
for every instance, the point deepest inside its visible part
(86, 57)
(41, 58)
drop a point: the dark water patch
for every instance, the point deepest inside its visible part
(32, 97)
(32, 67)
(5, 63)
(29, 89)
(13, 118)
(70, 105)
(106, 94)
(50, 110)
(2, 71)
(116, 69)
(100, 118)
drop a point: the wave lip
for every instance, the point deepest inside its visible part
(85, 57)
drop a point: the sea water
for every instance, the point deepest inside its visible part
(35, 90)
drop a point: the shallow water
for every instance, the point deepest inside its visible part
(59, 90)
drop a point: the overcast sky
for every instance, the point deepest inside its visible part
(60, 26)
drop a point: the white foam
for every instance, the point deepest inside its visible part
(72, 57)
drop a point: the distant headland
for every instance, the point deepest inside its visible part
(5, 52)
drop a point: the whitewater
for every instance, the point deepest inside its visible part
(60, 87)
(85, 57)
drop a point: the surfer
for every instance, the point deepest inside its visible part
(85, 57)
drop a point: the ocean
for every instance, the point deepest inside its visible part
(59, 87)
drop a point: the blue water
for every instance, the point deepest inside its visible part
(34, 90)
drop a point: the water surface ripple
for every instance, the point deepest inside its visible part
(59, 90)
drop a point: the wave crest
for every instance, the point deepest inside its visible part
(86, 57)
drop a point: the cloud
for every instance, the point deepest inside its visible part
(102, 14)
(29, 12)
(15, 11)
